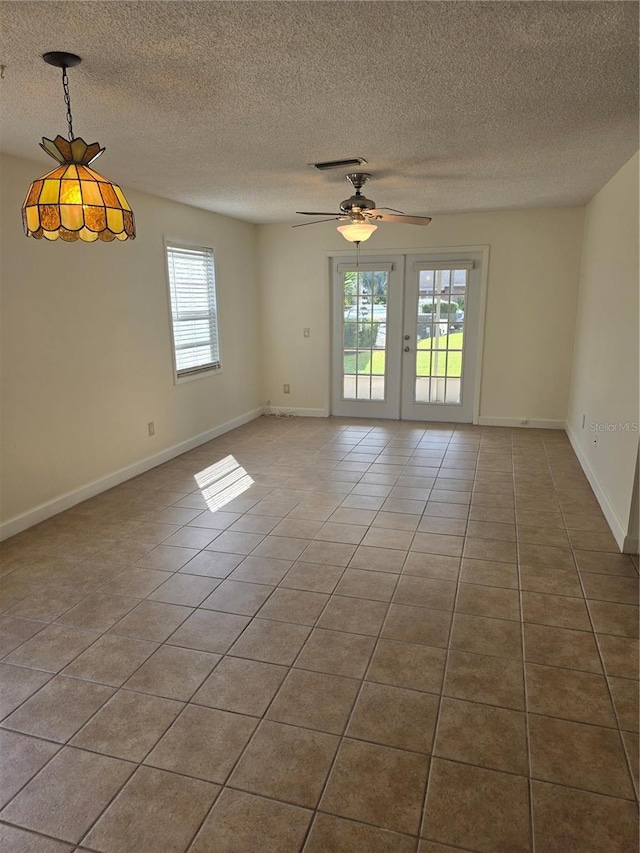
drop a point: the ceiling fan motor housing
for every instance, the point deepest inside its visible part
(357, 179)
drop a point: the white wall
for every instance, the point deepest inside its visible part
(531, 298)
(604, 386)
(86, 356)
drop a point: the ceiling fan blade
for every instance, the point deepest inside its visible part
(323, 213)
(302, 224)
(399, 217)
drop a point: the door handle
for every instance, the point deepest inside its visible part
(407, 349)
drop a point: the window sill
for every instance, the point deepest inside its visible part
(191, 377)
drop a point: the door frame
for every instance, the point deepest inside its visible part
(433, 252)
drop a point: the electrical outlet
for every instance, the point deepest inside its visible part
(286, 389)
(307, 332)
(151, 428)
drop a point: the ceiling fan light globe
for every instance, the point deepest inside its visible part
(357, 232)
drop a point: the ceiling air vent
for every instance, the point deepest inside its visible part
(339, 164)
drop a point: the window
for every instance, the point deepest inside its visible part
(194, 316)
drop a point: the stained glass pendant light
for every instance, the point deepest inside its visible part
(73, 202)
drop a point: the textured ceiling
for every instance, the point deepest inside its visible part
(457, 106)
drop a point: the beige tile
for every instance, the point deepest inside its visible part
(405, 665)
(313, 577)
(314, 700)
(191, 537)
(545, 555)
(135, 583)
(377, 785)
(496, 637)
(417, 625)
(550, 580)
(212, 564)
(215, 519)
(45, 605)
(17, 684)
(261, 570)
(561, 647)
(172, 672)
(65, 798)
(605, 564)
(155, 810)
(490, 549)
(425, 592)
(209, 631)
(618, 619)
(257, 524)
(21, 757)
(128, 726)
(477, 808)
(271, 642)
(573, 695)
(358, 583)
(303, 759)
(489, 573)
(346, 533)
(484, 735)
(204, 743)
(494, 514)
(152, 620)
(14, 632)
(58, 709)
(336, 653)
(620, 655)
(385, 538)
(376, 559)
(436, 524)
(625, 700)
(330, 833)
(611, 588)
(98, 612)
(297, 528)
(437, 543)
(432, 566)
(354, 615)
(393, 716)
(491, 680)
(434, 509)
(166, 558)
(235, 543)
(14, 840)
(190, 590)
(52, 648)
(491, 530)
(538, 535)
(242, 686)
(244, 822)
(434, 847)
(293, 605)
(110, 660)
(490, 601)
(395, 521)
(558, 610)
(238, 597)
(631, 742)
(328, 553)
(593, 540)
(576, 821)
(281, 547)
(580, 756)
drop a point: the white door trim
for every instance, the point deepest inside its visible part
(434, 250)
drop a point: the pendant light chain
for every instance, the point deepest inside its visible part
(67, 100)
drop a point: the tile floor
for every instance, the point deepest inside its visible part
(325, 635)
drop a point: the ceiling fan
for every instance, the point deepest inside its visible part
(361, 213)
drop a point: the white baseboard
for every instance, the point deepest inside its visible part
(525, 423)
(69, 499)
(627, 544)
(283, 411)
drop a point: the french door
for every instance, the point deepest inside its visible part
(405, 336)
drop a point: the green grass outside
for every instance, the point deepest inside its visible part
(425, 364)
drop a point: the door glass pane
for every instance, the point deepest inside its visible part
(440, 335)
(364, 341)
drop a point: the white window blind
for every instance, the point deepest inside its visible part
(194, 317)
